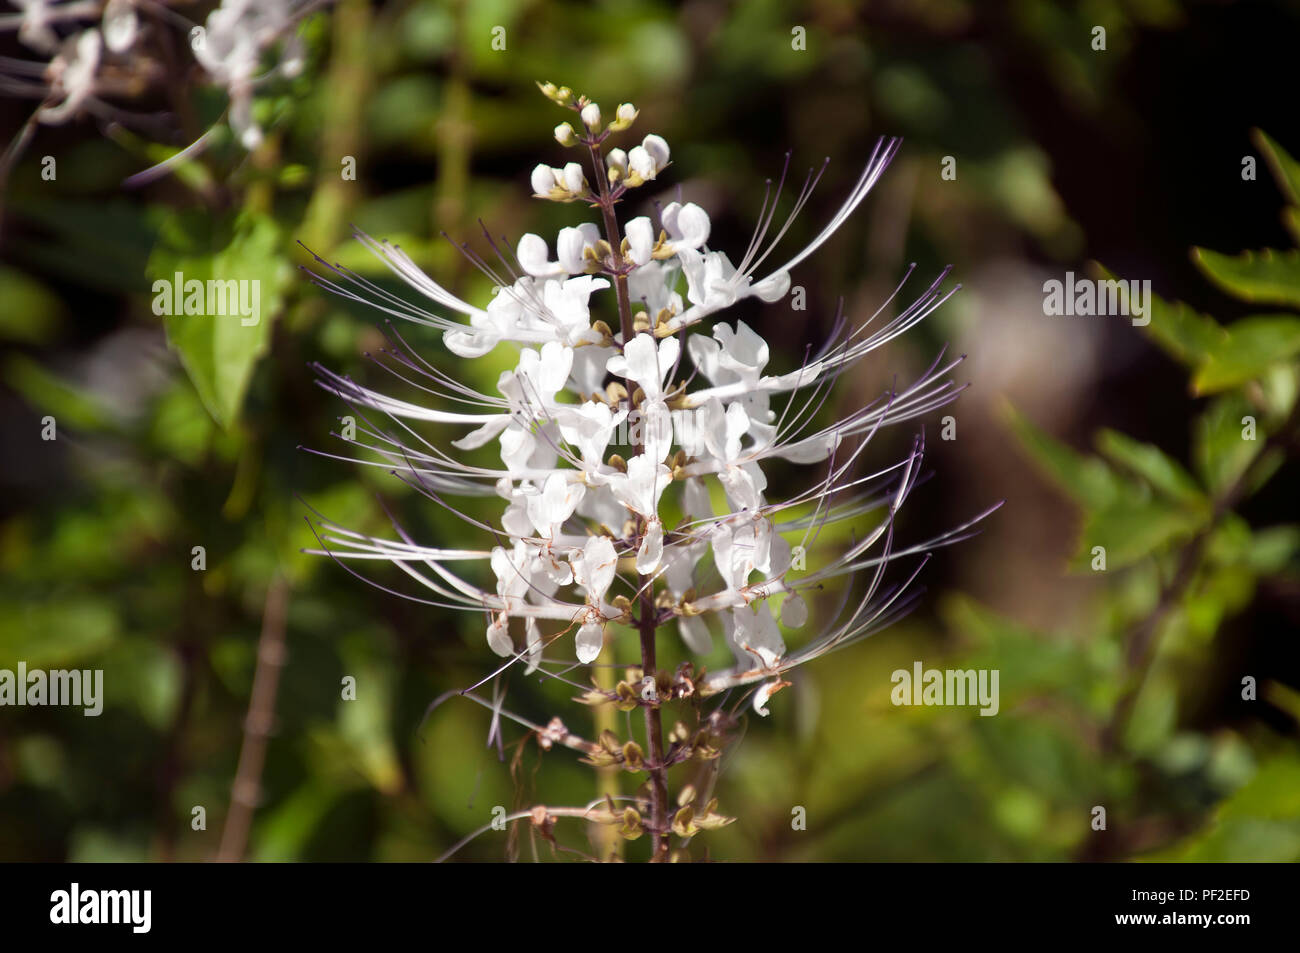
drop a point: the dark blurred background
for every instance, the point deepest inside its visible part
(1066, 158)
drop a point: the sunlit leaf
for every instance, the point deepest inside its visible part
(1252, 346)
(1265, 277)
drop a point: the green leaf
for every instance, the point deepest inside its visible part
(1087, 480)
(48, 393)
(1220, 450)
(1258, 823)
(1152, 464)
(1267, 276)
(1182, 333)
(1253, 345)
(221, 346)
(1285, 169)
(1131, 529)
(29, 312)
(57, 633)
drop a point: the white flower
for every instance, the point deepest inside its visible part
(646, 363)
(570, 513)
(73, 72)
(572, 245)
(120, 25)
(687, 225)
(595, 567)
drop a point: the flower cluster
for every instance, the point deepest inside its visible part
(578, 519)
(633, 442)
(98, 51)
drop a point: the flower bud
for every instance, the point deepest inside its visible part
(625, 116)
(560, 95)
(543, 180)
(591, 117)
(616, 161)
(573, 178)
(565, 135)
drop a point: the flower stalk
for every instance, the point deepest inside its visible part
(665, 422)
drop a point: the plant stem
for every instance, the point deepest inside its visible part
(1140, 647)
(653, 719)
(247, 788)
(654, 730)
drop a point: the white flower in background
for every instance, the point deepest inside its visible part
(80, 40)
(72, 76)
(585, 509)
(230, 48)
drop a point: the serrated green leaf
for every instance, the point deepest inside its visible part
(1179, 331)
(1265, 277)
(220, 351)
(1152, 464)
(1252, 346)
(1087, 480)
(1285, 169)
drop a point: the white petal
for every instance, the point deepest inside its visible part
(573, 178)
(687, 225)
(640, 161)
(652, 548)
(535, 644)
(477, 438)
(531, 252)
(469, 344)
(658, 150)
(764, 692)
(590, 640)
(543, 179)
(773, 287)
(794, 611)
(571, 244)
(617, 159)
(594, 569)
(120, 25)
(498, 637)
(640, 239)
(695, 634)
